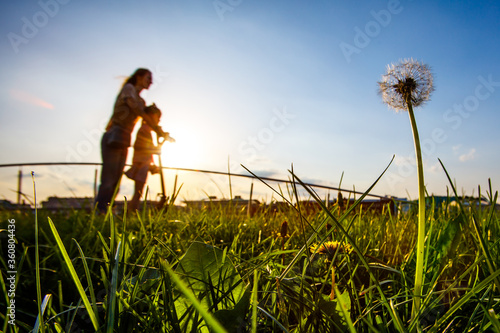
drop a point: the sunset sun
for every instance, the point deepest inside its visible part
(184, 152)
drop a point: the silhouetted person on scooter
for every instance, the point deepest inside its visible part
(143, 162)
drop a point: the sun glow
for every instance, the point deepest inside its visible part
(184, 152)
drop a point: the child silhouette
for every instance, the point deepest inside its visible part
(142, 161)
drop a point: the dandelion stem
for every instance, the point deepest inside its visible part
(407, 85)
(419, 273)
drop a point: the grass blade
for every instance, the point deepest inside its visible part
(350, 240)
(89, 279)
(465, 298)
(254, 300)
(39, 320)
(283, 328)
(74, 276)
(494, 320)
(343, 308)
(347, 212)
(143, 270)
(112, 293)
(37, 257)
(207, 316)
(482, 243)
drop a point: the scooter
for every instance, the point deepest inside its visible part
(163, 196)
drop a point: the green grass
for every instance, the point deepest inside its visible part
(220, 270)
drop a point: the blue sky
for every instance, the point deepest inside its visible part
(266, 84)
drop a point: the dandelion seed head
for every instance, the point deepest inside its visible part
(406, 82)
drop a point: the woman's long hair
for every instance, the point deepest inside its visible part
(138, 73)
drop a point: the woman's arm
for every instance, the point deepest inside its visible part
(136, 104)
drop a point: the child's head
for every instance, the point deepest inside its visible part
(153, 111)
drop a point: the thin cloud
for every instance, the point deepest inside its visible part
(435, 168)
(404, 160)
(469, 156)
(27, 98)
(267, 173)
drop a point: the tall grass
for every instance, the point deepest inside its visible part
(219, 269)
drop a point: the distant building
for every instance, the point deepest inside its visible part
(86, 203)
(473, 202)
(377, 206)
(439, 202)
(8, 205)
(56, 203)
(307, 207)
(213, 202)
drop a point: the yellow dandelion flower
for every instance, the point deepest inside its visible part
(330, 248)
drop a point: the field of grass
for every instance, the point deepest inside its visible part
(218, 269)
